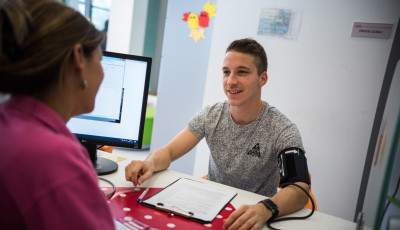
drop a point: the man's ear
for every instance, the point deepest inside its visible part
(263, 78)
(78, 59)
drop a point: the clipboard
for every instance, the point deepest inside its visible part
(190, 199)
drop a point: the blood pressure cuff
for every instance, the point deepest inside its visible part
(293, 167)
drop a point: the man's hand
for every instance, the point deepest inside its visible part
(138, 171)
(248, 217)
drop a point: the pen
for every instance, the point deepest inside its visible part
(142, 195)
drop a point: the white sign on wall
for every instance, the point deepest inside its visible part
(371, 30)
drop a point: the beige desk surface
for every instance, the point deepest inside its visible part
(161, 179)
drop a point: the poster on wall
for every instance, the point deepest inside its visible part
(283, 23)
(197, 23)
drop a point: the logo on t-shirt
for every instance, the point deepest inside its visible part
(255, 151)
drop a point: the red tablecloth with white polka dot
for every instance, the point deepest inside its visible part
(128, 212)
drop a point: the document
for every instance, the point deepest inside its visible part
(198, 201)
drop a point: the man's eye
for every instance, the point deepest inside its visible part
(242, 72)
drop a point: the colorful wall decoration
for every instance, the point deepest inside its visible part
(197, 23)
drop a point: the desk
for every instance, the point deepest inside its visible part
(161, 179)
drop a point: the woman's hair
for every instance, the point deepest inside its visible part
(37, 38)
(253, 48)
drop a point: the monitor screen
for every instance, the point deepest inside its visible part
(120, 107)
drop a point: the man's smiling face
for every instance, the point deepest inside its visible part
(242, 85)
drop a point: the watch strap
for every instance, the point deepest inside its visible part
(271, 206)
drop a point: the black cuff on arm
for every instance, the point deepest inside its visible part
(293, 167)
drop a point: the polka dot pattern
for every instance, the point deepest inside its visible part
(131, 214)
(171, 225)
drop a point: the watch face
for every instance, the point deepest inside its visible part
(272, 205)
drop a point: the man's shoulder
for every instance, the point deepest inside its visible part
(218, 105)
(215, 108)
(274, 115)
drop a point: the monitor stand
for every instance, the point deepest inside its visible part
(103, 166)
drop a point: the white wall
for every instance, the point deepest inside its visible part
(138, 30)
(127, 26)
(182, 78)
(326, 81)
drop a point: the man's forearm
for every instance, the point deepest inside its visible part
(291, 198)
(160, 159)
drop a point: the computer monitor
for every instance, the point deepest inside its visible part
(120, 108)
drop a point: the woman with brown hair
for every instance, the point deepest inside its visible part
(50, 64)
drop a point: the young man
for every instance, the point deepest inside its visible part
(245, 136)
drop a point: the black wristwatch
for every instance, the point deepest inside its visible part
(272, 206)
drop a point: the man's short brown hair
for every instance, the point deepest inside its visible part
(252, 47)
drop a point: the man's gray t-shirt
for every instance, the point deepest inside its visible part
(245, 157)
